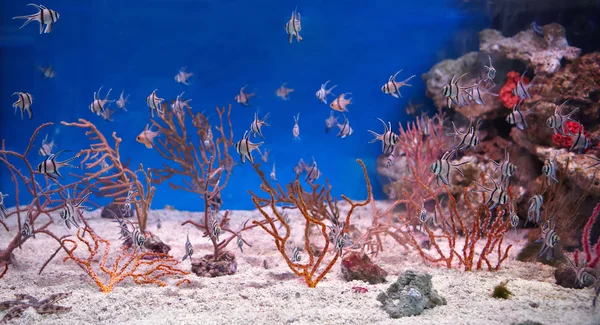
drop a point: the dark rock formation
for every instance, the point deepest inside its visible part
(357, 267)
(207, 267)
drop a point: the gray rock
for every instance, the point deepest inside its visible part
(410, 295)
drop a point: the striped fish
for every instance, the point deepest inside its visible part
(514, 220)
(549, 169)
(475, 93)
(46, 17)
(517, 117)
(535, 206)
(138, 238)
(240, 243)
(313, 173)
(491, 71)
(388, 138)
(3, 210)
(582, 276)
(521, 90)
(549, 239)
(215, 228)
(345, 129)
(427, 218)
(323, 92)
(49, 167)
(154, 103)
(507, 169)
(557, 121)
(295, 253)
(243, 97)
(294, 26)
(467, 139)
(188, 249)
(69, 211)
(124, 231)
(257, 124)
(441, 168)
(24, 103)
(452, 91)
(98, 106)
(580, 141)
(244, 147)
(27, 230)
(497, 195)
(392, 87)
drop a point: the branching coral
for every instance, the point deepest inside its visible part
(114, 179)
(315, 268)
(142, 268)
(23, 301)
(590, 255)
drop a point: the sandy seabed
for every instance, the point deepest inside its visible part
(255, 295)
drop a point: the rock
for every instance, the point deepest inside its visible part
(207, 267)
(544, 54)
(114, 208)
(355, 267)
(152, 244)
(410, 295)
(565, 276)
(577, 169)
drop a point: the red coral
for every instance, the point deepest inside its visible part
(506, 96)
(565, 141)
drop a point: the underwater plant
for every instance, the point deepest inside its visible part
(501, 291)
(142, 268)
(313, 270)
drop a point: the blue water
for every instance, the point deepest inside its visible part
(140, 45)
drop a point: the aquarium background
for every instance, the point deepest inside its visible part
(139, 46)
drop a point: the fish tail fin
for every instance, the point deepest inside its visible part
(30, 18)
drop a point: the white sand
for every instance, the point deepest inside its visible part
(255, 296)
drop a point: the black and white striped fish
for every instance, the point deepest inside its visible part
(521, 90)
(3, 210)
(580, 141)
(138, 238)
(257, 124)
(549, 239)
(491, 71)
(294, 26)
(240, 243)
(323, 92)
(517, 117)
(582, 276)
(49, 167)
(549, 169)
(98, 106)
(425, 218)
(452, 91)
(339, 238)
(69, 211)
(535, 206)
(24, 103)
(475, 93)
(189, 250)
(507, 169)
(441, 168)
(124, 231)
(388, 138)
(467, 139)
(514, 219)
(179, 105)
(27, 230)
(498, 195)
(154, 102)
(557, 121)
(392, 87)
(345, 129)
(127, 208)
(313, 173)
(46, 17)
(295, 253)
(244, 147)
(215, 228)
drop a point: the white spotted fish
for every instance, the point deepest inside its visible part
(453, 90)
(341, 103)
(549, 170)
(47, 147)
(507, 169)
(48, 72)
(345, 129)
(521, 90)
(467, 139)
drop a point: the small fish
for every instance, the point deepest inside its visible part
(322, 93)
(46, 17)
(330, 122)
(107, 114)
(535, 206)
(427, 219)
(46, 147)
(549, 170)
(208, 138)
(240, 243)
(345, 129)
(467, 139)
(296, 128)
(69, 211)
(517, 117)
(243, 97)
(182, 76)
(514, 219)
(124, 232)
(582, 276)
(3, 210)
(98, 105)
(215, 228)
(452, 91)
(580, 141)
(475, 94)
(178, 106)
(521, 90)
(300, 167)
(273, 176)
(341, 102)
(339, 238)
(24, 103)
(147, 136)
(189, 250)
(392, 87)
(507, 169)
(537, 29)
(27, 230)
(138, 237)
(283, 92)
(442, 167)
(244, 147)
(491, 71)
(49, 167)
(548, 239)
(48, 72)
(295, 256)
(313, 173)
(557, 121)
(154, 102)
(257, 124)
(294, 26)
(498, 196)
(127, 208)
(388, 138)
(265, 157)
(122, 101)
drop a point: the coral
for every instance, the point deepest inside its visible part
(506, 96)
(312, 271)
(565, 141)
(23, 301)
(590, 255)
(501, 291)
(142, 268)
(576, 168)
(357, 267)
(114, 179)
(544, 54)
(410, 295)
